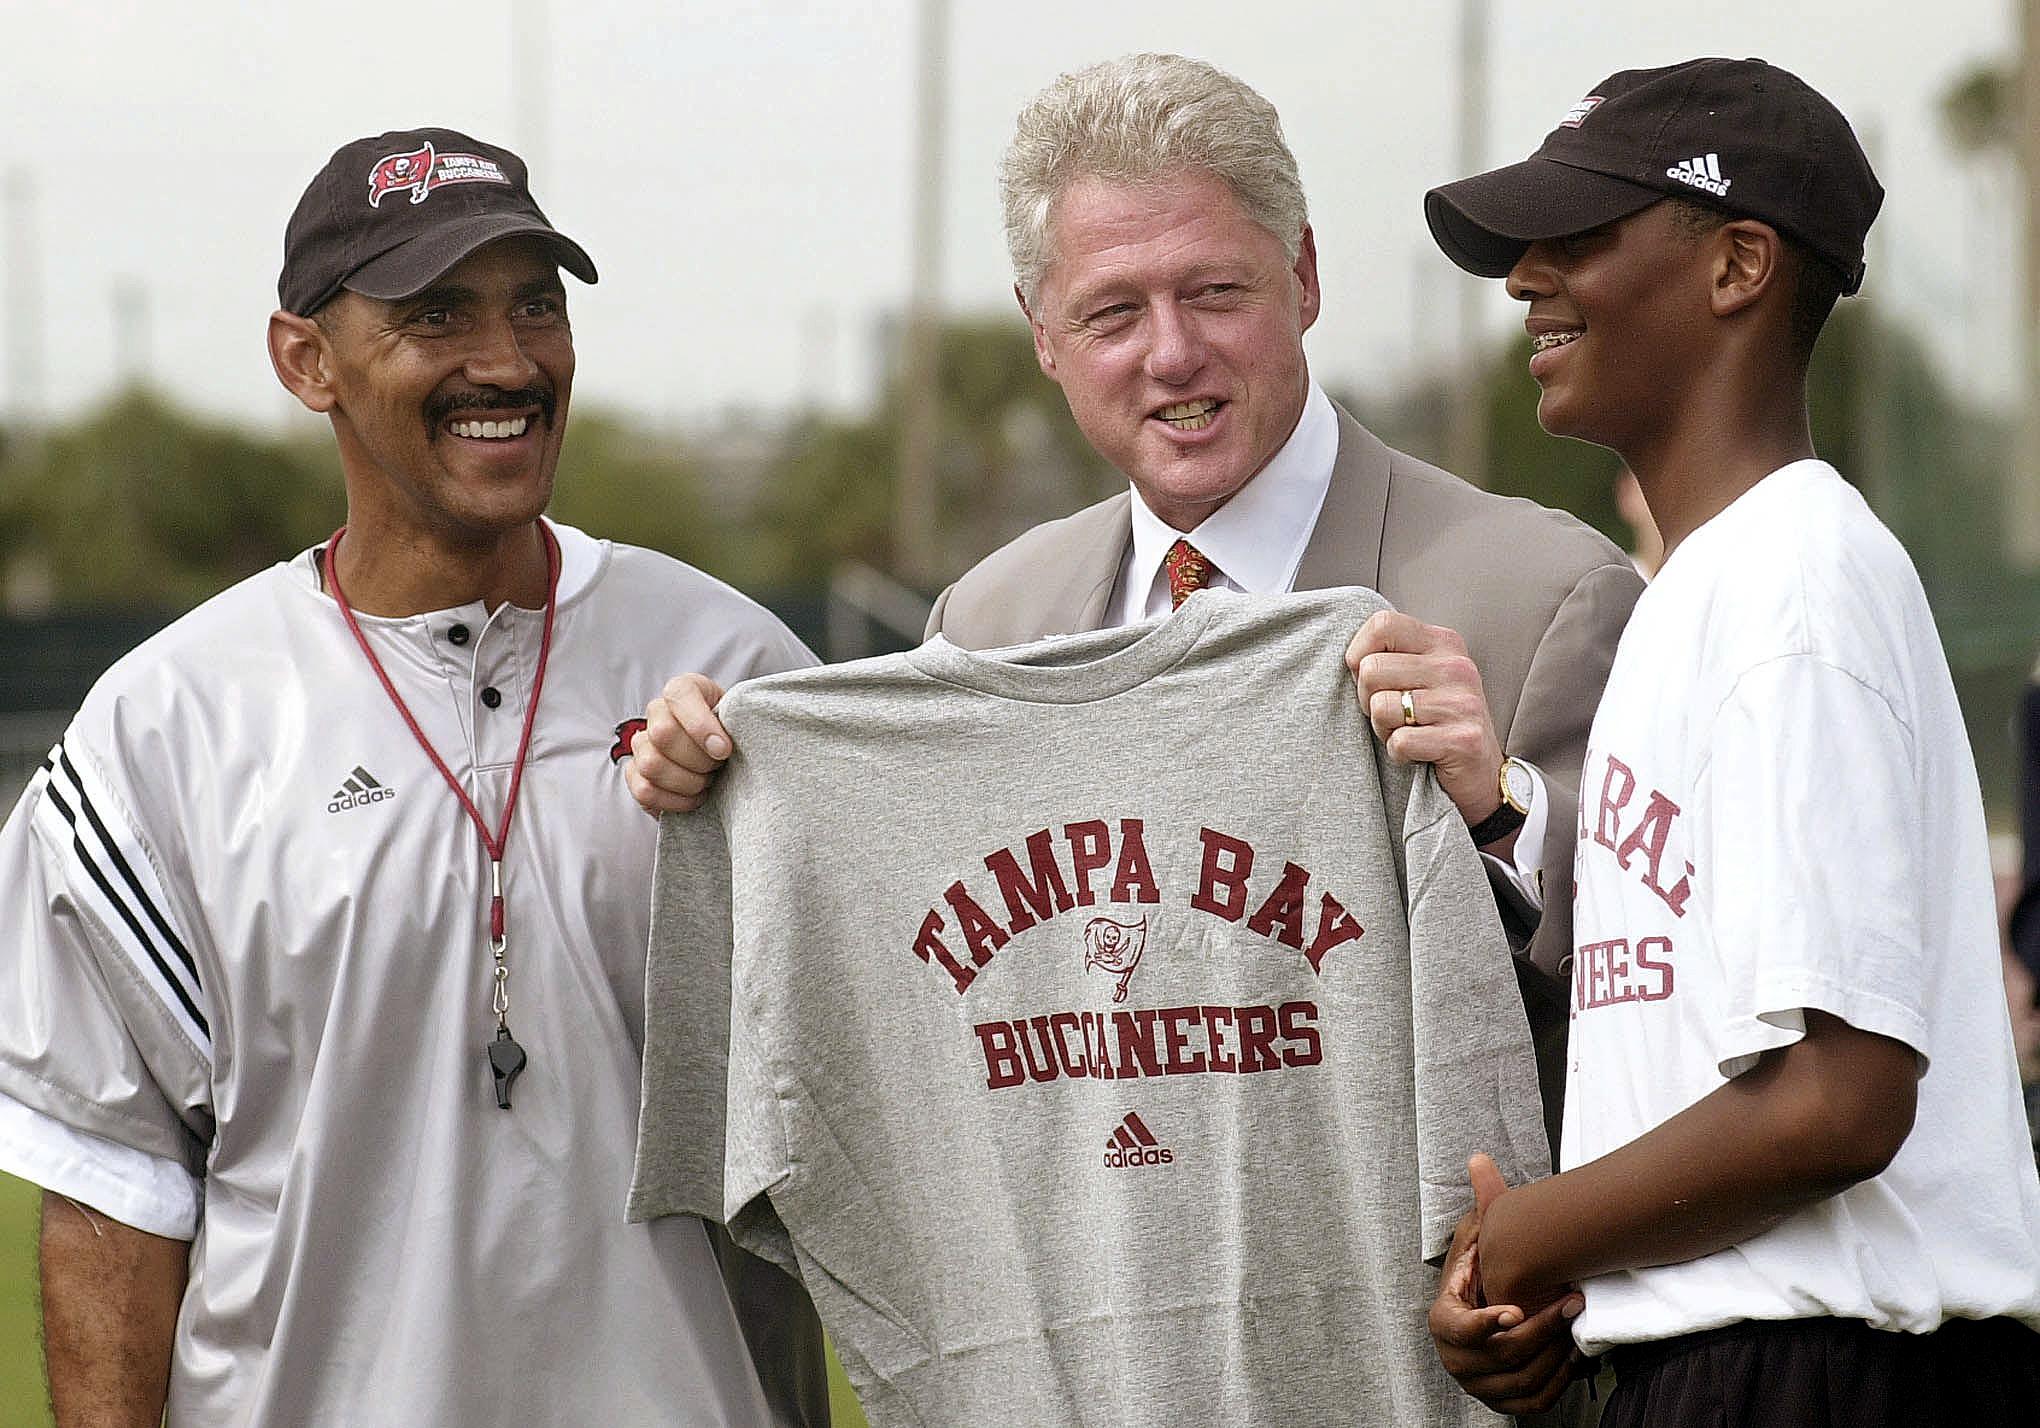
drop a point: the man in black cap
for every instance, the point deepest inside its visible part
(1795, 1185)
(322, 959)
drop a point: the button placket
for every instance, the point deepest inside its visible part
(498, 686)
(456, 654)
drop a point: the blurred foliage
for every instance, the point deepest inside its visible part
(141, 504)
(1929, 463)
(830, 499)
(617, 480)
(1978, 110)
(1008, 457)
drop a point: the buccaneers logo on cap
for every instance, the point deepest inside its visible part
(422, 170)
(625, 732)
(398, 172)
(1115, 947)
(1577, 115)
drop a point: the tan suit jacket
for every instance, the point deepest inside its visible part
(1539, 598)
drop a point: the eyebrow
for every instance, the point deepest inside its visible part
(1108, 291)
(444, 295)
(455, 295)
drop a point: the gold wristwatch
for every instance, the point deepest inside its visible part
(1517, 788)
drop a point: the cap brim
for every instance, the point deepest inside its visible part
(1485, 223)
(411, 267)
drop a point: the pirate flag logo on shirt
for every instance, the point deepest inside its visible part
(1116, 948)
(626, 731)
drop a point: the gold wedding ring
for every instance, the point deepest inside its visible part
(1409, 707)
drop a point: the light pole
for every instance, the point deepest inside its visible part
(1467, 437)
(915, 536)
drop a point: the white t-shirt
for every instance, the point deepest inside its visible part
(1779, 811)
(245, 995)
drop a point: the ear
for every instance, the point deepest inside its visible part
(1043, 353)
(302, 355)
(1306, 277)
(1749, 259)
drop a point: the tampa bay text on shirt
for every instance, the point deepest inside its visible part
(1058, 877)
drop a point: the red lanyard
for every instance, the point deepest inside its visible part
(506, 1057)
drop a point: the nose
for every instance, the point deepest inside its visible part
(498, 358)
(1175, 348)
(1533, 276)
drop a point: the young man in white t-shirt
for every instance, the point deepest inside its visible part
(1796, 1186)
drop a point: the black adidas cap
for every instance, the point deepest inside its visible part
(1741, 135)
(388, 216)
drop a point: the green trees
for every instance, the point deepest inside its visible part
(140, 504)
(1008, 457)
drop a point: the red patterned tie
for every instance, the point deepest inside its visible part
(1188, 569)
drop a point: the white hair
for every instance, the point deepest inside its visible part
(1137, 119)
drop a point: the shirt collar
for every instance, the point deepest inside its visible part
(580, 558)
(580, 561)
(1257, 538)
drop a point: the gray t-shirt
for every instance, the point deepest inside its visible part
(1111, 1022)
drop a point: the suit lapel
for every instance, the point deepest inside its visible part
(1344, 547)
(1080, 593)
(1345, 544)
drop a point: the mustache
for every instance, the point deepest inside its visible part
(489, 399)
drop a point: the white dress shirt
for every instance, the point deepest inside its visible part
(1255, 542)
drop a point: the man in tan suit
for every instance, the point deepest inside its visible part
(1164, 260)
(1163, 257)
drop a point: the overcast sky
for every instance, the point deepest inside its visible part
(740, 173)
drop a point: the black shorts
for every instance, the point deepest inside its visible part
(1830, 1373)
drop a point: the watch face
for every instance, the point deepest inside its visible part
(1516, 785)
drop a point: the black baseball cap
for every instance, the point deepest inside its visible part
(388, 216)
(1739, 135)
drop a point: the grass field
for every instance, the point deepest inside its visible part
(21, 1386)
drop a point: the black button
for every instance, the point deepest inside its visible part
(491, 697)
(458, 634)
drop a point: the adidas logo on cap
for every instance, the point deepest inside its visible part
(1703, 172)
(1133, 1145)
(359, 791)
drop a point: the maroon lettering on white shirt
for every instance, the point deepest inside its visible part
(1650, 835)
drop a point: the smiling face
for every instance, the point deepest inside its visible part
(450, 405)
(1174, 325)
(1618, 320)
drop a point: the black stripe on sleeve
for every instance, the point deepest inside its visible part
(128, 873)
(126, 913)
